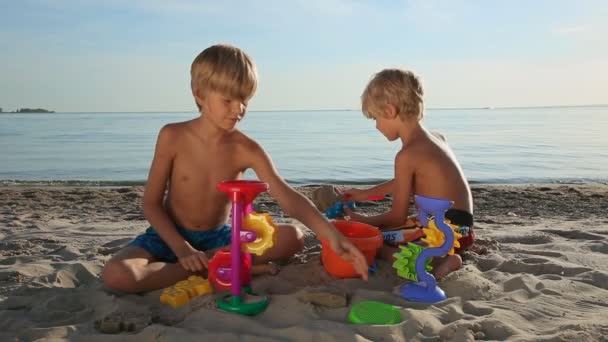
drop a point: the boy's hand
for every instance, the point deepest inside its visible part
(354, 194)
(353, 215)
(193, 260)
(347, 251)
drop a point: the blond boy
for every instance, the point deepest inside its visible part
(425, 165)
(190, 159)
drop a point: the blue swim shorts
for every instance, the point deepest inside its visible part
(203, 241)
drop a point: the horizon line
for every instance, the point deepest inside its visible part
(323, 110)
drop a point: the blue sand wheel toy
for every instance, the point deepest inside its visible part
(425, 289)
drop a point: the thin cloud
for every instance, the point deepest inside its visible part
(230, 8)
(572, 30)
(155, 6)
(586, 34)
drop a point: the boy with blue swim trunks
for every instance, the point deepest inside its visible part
(186, 212)
(424, 166)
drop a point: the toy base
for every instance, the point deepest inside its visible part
(237, 304)
(419, 292)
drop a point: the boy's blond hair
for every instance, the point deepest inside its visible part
(225, 69)
(400, 88)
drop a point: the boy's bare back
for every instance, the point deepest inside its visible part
(436, 172)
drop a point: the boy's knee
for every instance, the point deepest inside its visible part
(293, 236)
(298, 239)
(116, 275)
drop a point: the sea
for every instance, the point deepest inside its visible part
(493, 145)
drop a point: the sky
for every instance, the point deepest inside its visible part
(135, 55)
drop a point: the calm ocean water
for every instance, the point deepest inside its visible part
(493, 145)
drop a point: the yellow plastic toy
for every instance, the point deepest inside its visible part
(265, 230)
(434, 236)
(185, 290)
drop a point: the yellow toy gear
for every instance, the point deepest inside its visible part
(264, 229)
(435, 238)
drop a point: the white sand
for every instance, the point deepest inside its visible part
(545, 277)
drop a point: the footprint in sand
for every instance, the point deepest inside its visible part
(598, 246)
(465, 331)
(167, 315)
(534, 260)
(28, 247)
(542, 253)
(550, 292)
(595, 278)
(523, 282)
(60, 310)
(532, 239)
(574, 234)
(71, 275)
(13, 260)
(476, 309)
(550, 277)
(520, 266)
(494, 329)
(488, 262)
(113, 246)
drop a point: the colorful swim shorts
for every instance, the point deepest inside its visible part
(464, 221)
(201, 240)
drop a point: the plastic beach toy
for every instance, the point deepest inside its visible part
(337, 210)
(185, 290)
(226, 268)
(365, 237)
(265, 232)
(219, 265)
(371, 312)
(425, 289)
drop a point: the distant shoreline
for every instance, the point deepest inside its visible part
(29, 111)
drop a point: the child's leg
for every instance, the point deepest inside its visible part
(290, 240)
(133, 269)
(386, 253)
(446, 265)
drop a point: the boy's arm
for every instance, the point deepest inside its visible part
(301, 208)
(154, 210)
(387, 187)
(355, 194)
(402, 189)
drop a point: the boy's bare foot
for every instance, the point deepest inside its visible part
(265, 269)
(475, 248)
(447, 265)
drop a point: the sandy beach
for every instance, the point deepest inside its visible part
(544, 276)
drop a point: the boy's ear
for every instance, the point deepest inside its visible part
(197, 97)
(390, 111)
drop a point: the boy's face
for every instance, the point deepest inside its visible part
(388, 127)
(222, 110)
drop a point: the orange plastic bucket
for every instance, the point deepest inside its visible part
(365, 237)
